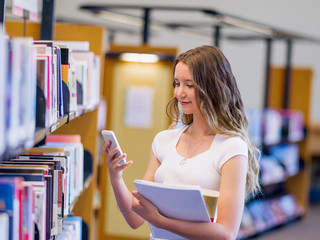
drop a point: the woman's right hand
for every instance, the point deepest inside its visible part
(115, 169)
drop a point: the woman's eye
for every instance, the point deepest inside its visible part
(190, 86)
(177, 84)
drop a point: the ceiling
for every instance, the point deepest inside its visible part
(240, 20)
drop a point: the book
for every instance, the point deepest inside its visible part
(11, 202)
(74, 149)
(4, 53)
(27, 211)
(77, 225)
(17, 85)
(40, 208)
(58, 69)
(61, 162)
(44, 151)
(39, 173)
(183, 202)
(4, 225)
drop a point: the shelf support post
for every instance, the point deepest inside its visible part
(2, 12)
(47, 22)
(267, 72)
(287, 80)
(145, 36)
(217, 34)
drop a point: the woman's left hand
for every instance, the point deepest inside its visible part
(145, 209)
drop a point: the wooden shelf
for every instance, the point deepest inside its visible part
(83, 122)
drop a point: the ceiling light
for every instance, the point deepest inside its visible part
(139, 57)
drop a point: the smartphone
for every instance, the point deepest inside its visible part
(110, 136)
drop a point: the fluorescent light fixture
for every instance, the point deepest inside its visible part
(247, 25)
(138, 22)
(139, 57)
(121, 18)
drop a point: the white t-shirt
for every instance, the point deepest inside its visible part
(203, 169)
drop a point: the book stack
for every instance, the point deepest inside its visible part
(273, 126)
(84, 72)
(40, 186)
(277, 132)
(18, 92)
(281, 163)
(41, 82)
(71, 67)
(262, 215)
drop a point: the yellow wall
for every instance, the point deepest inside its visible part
(136, 142)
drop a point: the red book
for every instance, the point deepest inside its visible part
(63, 138)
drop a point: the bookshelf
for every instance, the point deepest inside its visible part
(285, 192)
(83, 122)
(300, 99)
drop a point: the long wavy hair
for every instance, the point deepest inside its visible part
(219, 101)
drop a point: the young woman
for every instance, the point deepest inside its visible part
(212, 148)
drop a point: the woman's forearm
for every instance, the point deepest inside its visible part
(124, 200)
(196, 230)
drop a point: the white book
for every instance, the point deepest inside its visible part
(81, 76)
(86, 59)
(81, 46)
(45, 50)
(75, 151)
(72, 83)
(3, 76)
(40, 209)
(77, 223)
(183, 202)
(44, 78)
(15, 132)
(29, 99)
(4, 226)
(96, 80)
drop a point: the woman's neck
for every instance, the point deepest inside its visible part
(200, 127)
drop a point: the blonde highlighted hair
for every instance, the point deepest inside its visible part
(219, 101)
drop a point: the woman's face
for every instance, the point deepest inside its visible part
(184, 89)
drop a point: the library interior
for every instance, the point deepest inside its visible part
(70, 69)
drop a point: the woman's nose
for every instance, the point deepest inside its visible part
(180, 92)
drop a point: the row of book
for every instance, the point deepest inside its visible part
(262, 215)
(40, 83)
(273, 126)
(282, 162)
(39, 187)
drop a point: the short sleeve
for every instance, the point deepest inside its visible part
(155, 146)
(165, 141)
(230, 147)
(160, 144)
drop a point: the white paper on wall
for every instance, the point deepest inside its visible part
(139, 107)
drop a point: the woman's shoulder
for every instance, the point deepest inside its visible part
(169, 133)
(231, 140)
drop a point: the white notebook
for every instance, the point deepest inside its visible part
(184, 202)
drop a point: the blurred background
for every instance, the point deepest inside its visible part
(273, 47)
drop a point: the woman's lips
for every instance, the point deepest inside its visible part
(184, 103)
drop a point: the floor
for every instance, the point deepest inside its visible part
(306, 229)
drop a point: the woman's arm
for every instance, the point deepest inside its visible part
(230, 207)
(123, 196)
